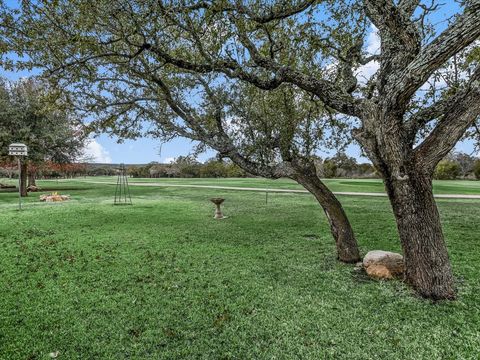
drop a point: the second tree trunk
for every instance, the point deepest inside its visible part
(427, 264)
(342, 232)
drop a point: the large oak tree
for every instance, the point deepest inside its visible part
(317, 46)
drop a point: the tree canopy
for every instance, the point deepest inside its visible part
(50, 132)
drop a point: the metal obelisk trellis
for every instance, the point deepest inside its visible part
(122, 192)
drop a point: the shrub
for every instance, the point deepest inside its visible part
(447, 170)
(329, 169)
(476, 169)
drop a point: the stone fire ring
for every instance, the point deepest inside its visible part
(54, 198)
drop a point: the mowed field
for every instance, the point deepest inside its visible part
(461, 187)
(163, 280)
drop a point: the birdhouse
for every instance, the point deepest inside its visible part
(17, 149)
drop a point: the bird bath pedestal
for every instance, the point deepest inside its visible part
(218, 211)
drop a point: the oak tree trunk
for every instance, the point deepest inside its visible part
(342, 232)
(32, 178)
(426, 258)
(23, 179)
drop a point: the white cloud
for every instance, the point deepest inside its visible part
(95, 152)
(168, 160)
(365, 72)
(373, 41)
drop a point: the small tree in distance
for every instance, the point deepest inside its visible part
(464, 161)
(476, 169)
(447, 170)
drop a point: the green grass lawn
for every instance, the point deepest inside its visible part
(350, 185)
(163, 280)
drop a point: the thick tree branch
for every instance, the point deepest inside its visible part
(408, 6)
(396, 28)
(461, 115)
(327, 91)
(432, 112)
(330, 93)
(459, 35)
(389, 19)
(228, 67)
(278, 12)
(281, 12)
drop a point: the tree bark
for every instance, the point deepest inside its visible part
(23, 179)
(427, 264)
(32, 178)
(342, 232)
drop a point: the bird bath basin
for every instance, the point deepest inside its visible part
(218, 211)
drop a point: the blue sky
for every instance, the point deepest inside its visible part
(107, 149)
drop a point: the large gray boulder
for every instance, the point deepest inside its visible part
(381, 264)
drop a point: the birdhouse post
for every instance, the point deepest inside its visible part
(19, 150)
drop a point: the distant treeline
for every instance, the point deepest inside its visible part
(454, 166)
(187, 167)
(46, 170)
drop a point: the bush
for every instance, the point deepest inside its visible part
(329, 169)
(235, 171)
(447, 170)
(476, 169)
(213, 169)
